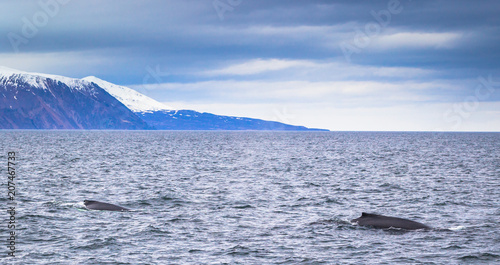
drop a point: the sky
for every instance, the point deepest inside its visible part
(390, 65)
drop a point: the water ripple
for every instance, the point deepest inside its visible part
(254, 197)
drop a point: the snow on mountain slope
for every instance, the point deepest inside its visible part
(134, 100)
(17, 77)
(41, 101)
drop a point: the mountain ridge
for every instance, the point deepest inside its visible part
(38, 101)
(44, 101)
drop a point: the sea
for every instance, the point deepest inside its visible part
(210, 197)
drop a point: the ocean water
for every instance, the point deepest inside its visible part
(251, 197)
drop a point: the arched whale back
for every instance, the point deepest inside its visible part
(96, 205)
(381, 221)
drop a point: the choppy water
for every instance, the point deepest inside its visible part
(252, 198)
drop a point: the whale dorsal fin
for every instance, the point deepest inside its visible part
(368, 214)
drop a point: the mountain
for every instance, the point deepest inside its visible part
(162, 117)
(193, 120)
(41, 101)
(134, 100)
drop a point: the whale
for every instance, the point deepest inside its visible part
(103, 206)
(385, 222)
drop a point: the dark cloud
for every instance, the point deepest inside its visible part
(184, 33)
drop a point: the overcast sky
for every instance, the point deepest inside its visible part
(340, 65)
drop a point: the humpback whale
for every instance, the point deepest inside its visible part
(381, 221)
(95, 205)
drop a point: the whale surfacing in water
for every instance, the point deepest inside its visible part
(381, 221)
(95, 205)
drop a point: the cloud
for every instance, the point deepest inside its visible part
(345, 93)
(259, 66)
(267, 53)
(60, 63)
(313, 70)
(417, 40)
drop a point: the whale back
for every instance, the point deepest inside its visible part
(363, 214)
(103, 206)
(381, 221)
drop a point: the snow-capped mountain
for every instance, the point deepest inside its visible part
(42, 101)
(9, 76)
(134, 100)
